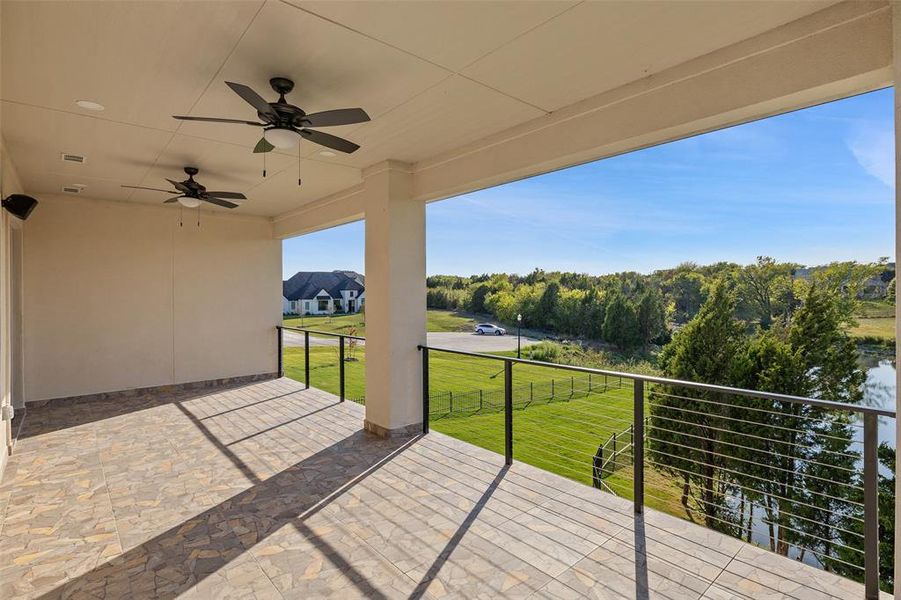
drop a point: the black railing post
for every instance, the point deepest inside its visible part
(341, 366)
(508, 412)
(281, 352)
(871, 505)
(306, 359)
(638, 447)
(425, 390)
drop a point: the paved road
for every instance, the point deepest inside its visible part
(457, 340)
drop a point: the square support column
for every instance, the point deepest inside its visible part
(395, 300)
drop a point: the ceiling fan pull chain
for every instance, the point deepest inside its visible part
(198, 217)
(298, 163)
(181, 214)
(264, 157)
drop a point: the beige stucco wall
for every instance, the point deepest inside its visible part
(10, 361)
(118, 296)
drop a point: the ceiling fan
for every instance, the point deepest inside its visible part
(284, 124)
(190, 194)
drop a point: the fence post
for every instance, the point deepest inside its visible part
(306, 359)
(613, 454)
(871, 505)
(553, 392)
(341, 365)
(480, 399)
(531, 392)
(638, 446)
(508, 412)
(589, 383)
(450, 404)
(572, 386)
(281, 352)
(425, 390)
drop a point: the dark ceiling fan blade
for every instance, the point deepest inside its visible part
(218, 202)
(217, 120)
(231, 195)
(341, 116)
(141, 187)
(175, 199)
(180, 186)
(329, 141)
(263, 146)
(252, 98)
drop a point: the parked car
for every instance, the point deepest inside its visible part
(489, 329)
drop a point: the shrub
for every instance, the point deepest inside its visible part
(545, 352)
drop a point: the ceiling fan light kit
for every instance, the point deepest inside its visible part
(191, 194)
(282, 139)
(285, 123)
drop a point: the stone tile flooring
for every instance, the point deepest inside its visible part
(271, 491)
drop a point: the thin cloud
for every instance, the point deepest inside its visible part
(874, 150)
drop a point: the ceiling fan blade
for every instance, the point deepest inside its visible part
(218, 202)
(329, 141)
(230, 195)
(263, 146)
(341, 116)
(180, 186)
(217, 120)
(175, 199)
(252, 98)
(141, 187)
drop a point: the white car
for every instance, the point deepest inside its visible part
(489, 329)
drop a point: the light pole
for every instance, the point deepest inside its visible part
(518, 336)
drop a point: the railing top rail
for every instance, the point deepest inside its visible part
(317, 332)
(707, 387)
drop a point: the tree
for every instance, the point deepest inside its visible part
(545, 311)
(477, 299)
(687, 424)
(651, 315)
(621, 322)
(764, 288)
(686, 290)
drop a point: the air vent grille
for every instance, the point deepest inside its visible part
(73, 189)
(74, 158)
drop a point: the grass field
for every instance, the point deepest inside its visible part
(875, 327)
(437, 320)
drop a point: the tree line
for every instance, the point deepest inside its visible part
(632, 310)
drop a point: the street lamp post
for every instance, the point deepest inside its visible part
(518, 336)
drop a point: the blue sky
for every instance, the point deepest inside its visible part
(812, 186)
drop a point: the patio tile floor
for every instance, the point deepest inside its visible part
(272, 491)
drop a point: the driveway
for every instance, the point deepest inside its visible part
(455, 340)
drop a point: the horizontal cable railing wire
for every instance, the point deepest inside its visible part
(797, 475)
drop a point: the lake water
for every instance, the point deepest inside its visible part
(880, 390)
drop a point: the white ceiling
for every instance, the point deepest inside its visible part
(433, 75)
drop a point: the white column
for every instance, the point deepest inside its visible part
(896, 53)
(395, 300)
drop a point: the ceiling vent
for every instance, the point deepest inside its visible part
(73, 189)
(73, 158)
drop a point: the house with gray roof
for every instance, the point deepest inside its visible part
(323, 293)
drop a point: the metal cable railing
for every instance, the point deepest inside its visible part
(346, 348)
(798, 475)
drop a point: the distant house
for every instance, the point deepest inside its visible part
(873, 288)
(323, 293)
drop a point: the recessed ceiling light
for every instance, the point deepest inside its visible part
(327, 153)
(88, 105)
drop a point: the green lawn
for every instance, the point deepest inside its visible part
(560, 436)
(875, 327)
(437, 320)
